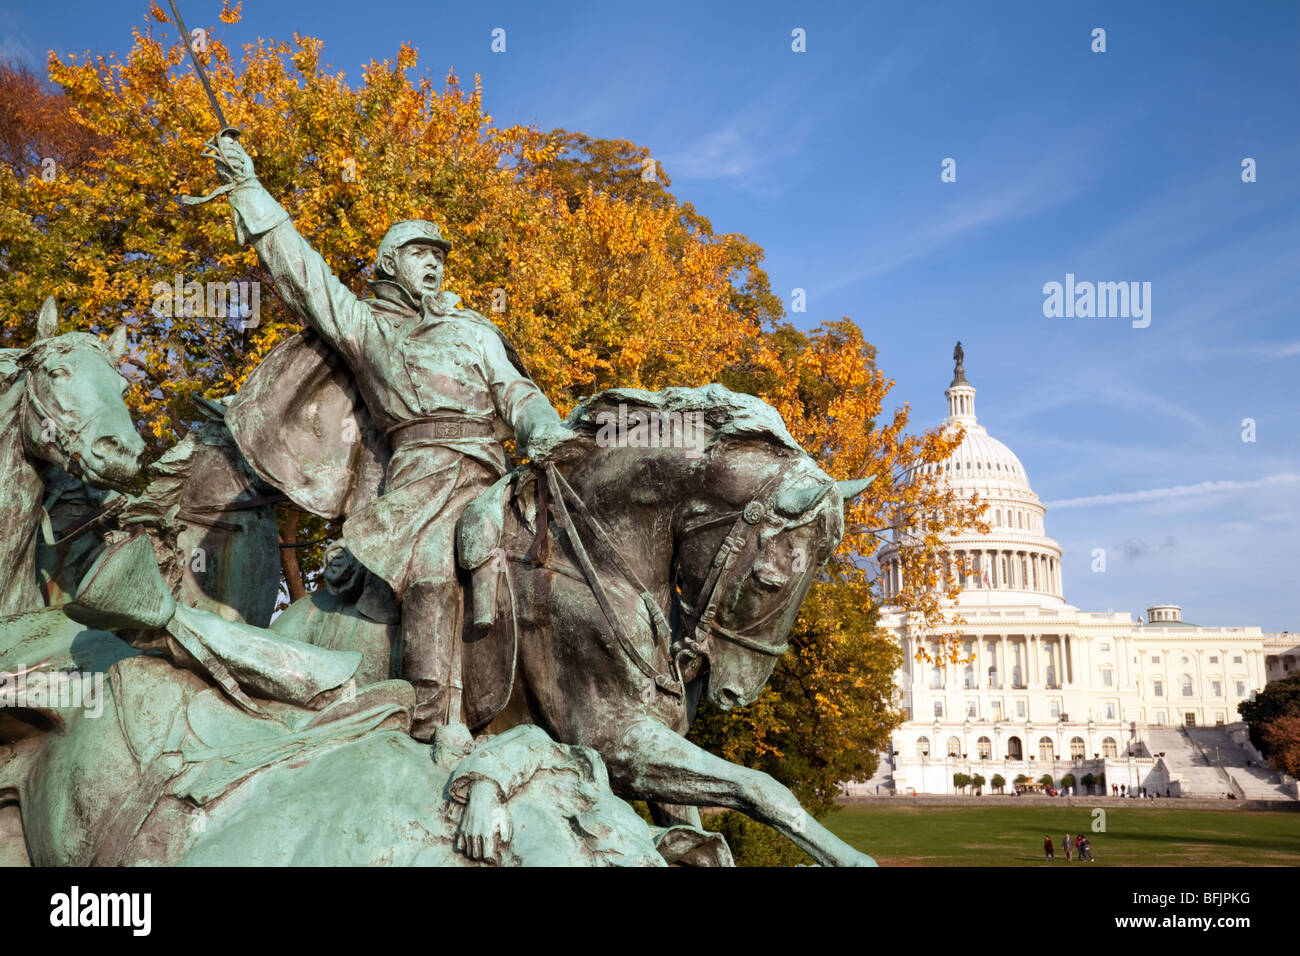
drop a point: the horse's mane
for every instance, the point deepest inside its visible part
(727, 415)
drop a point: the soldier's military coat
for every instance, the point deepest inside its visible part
(336, 436)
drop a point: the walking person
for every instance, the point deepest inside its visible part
(1069, 845)
(1047, 850)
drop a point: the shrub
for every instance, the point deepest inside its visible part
(998, 782)
(753, 843)
(1045, 780)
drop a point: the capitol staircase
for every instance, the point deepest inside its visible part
(1207, 762)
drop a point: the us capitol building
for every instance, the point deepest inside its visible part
(1050, 688)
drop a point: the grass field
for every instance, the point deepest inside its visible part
(1013, 836)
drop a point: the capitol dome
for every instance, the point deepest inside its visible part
(1015, 559)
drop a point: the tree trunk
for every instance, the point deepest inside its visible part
(289, 556)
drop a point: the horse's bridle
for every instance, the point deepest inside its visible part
(703, 623)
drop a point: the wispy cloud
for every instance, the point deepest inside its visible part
(1176, 491)
(15, 49)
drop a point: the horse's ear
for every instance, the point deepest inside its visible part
(117, 343)
(796, 501)
(851, 489)
(47, 323)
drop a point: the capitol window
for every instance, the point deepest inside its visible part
(1185, 685)
(1241, 688)
(1110, 710)
(1155, 658)
(1105, 646)
(923, 746)
(938, 708)
(954, 747)
(1020, 708)
(1216, 689)
(1237, 659)
(1214, 658)
(984, 747)
(1056, 708)
(1111, 749)
(1160, 718)
(1107, 677)
(1046, 749)
(1078, 749)
(972, 708)
(1158, 688)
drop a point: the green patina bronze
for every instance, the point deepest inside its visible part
(489, 667)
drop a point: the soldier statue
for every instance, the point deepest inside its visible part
(441, 386)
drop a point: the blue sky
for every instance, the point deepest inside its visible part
(1115, 166)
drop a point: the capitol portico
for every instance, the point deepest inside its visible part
(1045, 688)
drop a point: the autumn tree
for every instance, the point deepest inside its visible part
(1279, 699)
(1282, 742)
(597, 272)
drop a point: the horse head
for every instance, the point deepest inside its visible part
(73, 413)
(748, 549)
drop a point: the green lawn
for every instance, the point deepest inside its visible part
(1013, 836)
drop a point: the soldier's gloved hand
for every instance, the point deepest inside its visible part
(233, 164)
(553, 442)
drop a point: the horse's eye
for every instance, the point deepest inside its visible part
(59, 371)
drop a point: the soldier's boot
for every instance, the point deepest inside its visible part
(432, 615)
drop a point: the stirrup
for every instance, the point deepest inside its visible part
(123, 589)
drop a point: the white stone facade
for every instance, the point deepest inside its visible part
(1052, 689)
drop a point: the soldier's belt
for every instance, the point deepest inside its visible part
(439, 429)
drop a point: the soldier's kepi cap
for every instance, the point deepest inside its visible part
(406, 231)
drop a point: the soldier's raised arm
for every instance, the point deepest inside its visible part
(301, 277)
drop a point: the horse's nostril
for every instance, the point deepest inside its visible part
(107, 446)
(116, 453)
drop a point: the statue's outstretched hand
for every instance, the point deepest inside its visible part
(233, 164)
(485, 827)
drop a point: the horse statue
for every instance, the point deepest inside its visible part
(604, 647)
(60, 405)
(61, 409)
(650, 573)
(239, 745)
